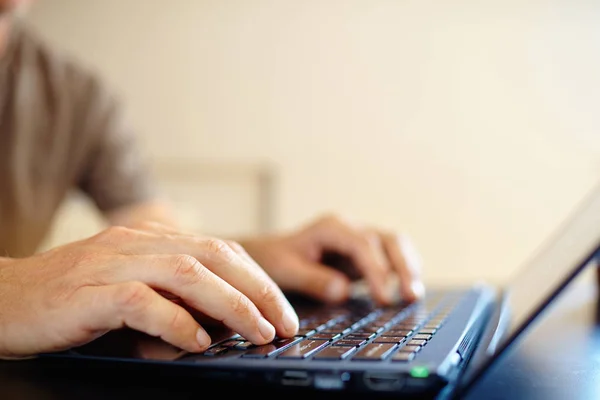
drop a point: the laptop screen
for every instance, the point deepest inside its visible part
(559, 259)
(554, 265)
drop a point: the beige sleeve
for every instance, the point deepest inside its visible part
(114, 172)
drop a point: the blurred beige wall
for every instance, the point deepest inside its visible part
(472, 125)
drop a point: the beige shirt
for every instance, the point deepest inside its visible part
(59, 131)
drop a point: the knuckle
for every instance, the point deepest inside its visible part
(187, 270)
(134, 295)
(240, 304)
(220, 249)
(217, 246)
(269, 294)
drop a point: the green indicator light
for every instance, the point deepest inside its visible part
(419, 372)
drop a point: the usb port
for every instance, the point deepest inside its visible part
(296, 378)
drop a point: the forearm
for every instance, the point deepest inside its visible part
(154, 211)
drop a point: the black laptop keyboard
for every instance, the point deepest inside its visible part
(356, 331)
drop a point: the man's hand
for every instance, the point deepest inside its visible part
(74, 294)
(300, 261)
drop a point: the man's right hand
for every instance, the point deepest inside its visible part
(73, 294)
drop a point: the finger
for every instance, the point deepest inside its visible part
(389, 273)
(379, 254)
(137, 306)
(222, 260)
(290, 317)
(334, 235)
(198, 287)
(316, 281)
(406, 263)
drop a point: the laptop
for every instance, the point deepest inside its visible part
(437, 347)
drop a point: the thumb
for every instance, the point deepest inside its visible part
(317, 281)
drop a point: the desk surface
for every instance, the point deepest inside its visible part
(559, 358)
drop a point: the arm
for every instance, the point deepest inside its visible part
(115, 175)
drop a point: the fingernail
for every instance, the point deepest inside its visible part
(202, 338)
(336, 290)
(418, 289)
(290, 321)
(266, 329)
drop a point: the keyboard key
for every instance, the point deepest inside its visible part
(216, 350)
(317, 325)
(312, 325)
(416, 342)
(374, 351)
(414, 321)
(360, 336)
(410, 349)
(369, 329)
(396, 332)
(334, 353)
(350, 342)
(402, 356)
(427, 331)
(230, 343)
(243, 345)
(326, 336)
(377, 325)
(269, 349)
(406, 327)
(337, 328)
(306, 332)
(388, 314)
(389, 339)
(303, 349)
(321, 327)
(421, 336)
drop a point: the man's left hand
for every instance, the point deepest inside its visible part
(300, 261)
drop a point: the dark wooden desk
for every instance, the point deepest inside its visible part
(559, 358)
